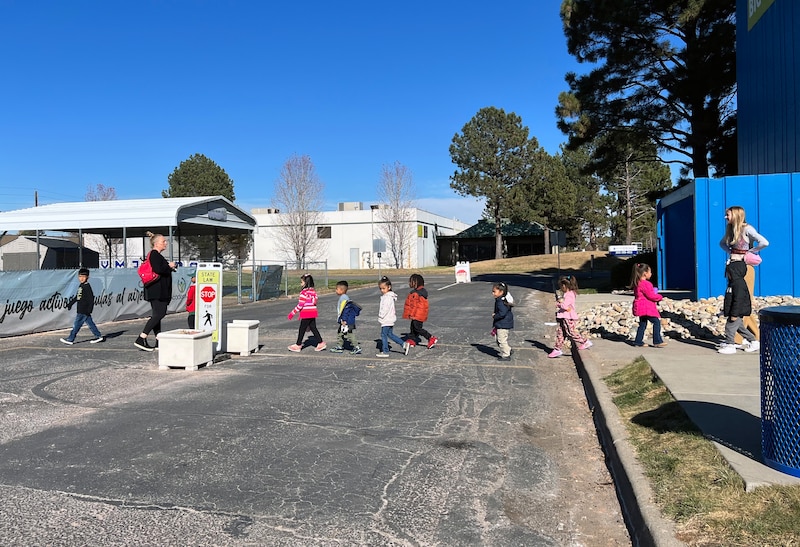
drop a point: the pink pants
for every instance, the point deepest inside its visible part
(567, 328)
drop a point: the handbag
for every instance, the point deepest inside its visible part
(752, 259)
(146, 273)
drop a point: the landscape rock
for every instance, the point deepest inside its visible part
(687, 319)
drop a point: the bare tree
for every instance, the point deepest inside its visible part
(298, 196)
(113, 247)
(396, 194)
(100, 192)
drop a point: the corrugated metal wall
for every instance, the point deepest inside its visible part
(768, 75)
(772, 204)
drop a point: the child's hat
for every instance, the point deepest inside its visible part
(83, 271)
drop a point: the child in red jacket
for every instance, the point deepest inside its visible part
(190, 301)
(416, 309)
(307, 307)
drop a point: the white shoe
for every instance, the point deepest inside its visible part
(755, 345)
(727, 349)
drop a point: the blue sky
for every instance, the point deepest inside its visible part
(119, 93)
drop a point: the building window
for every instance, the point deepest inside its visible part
(323, 232)
(422, 231)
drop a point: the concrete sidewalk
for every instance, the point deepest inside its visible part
(721, 394)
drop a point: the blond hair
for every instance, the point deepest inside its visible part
(153, 237)
(734, 231)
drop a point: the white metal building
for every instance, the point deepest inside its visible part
(352, 237)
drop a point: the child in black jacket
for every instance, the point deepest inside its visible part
(737, 304)
(85, 300)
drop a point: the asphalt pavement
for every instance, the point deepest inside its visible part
(447, 446)
(97, 441)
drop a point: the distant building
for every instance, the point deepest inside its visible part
(353, 236)
(478, 242)
(54, 254)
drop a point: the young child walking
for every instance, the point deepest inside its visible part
(644, 305)
(502, 319)
(567, 317)
(307, 307)
(387, 316)
(190, 303)
(346, 313)
(416, 309)
(85, 300)
(737, 305)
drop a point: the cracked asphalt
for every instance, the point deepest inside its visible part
(447, 446)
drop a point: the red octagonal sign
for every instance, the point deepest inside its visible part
(208, 293)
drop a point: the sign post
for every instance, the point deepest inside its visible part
(208, 307)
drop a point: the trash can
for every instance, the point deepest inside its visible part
(780, 388)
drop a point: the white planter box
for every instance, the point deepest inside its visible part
(184, 348)
(241, 336)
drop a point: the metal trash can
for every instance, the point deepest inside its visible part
(780, 388)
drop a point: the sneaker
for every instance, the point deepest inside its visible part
(727, 349)
(141, 343)
(356, 350)
(381, 354)
(755, 345)
(555, 353)
(295, 348)
(586, 345)
(432, 342)
(98, 340)
(337, 349)
(406, 347)
(67, 342)
(321, 346)
(411, 342)
(660, 345)
(504, 358)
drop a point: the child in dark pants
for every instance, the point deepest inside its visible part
(85, 300)
(416, 309)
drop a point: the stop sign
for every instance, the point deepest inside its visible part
(208, 293)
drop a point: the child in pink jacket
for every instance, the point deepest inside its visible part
(307, 307)
(644, 305)
(567, 317)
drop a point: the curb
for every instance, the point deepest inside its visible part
(646, 525)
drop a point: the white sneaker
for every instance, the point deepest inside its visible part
(727, 349)
(755, 345)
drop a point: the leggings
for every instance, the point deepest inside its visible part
(568, 328)
(153, 324)
(305, 324)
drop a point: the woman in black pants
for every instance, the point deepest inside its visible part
(158, 293)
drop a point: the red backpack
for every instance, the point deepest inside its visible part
(146, 273)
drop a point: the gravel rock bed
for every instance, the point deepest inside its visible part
(688, 319)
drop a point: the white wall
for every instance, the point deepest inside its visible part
(357, 230)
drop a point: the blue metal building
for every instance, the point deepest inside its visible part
(691, 223)
(691, 220)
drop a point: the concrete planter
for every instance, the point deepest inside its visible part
(241, 336)
(186, 349)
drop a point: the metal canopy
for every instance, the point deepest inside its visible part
(133, 217)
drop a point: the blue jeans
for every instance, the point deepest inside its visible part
(643, 320)
(386, 333)
(80, 319)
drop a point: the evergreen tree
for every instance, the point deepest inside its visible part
(663, 72)
(493, 155)
(199, 176)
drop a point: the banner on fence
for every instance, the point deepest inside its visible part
(36, 301)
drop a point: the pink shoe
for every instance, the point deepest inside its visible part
(295, 348)
(586, 345)
(321, 346)
(555, 353)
